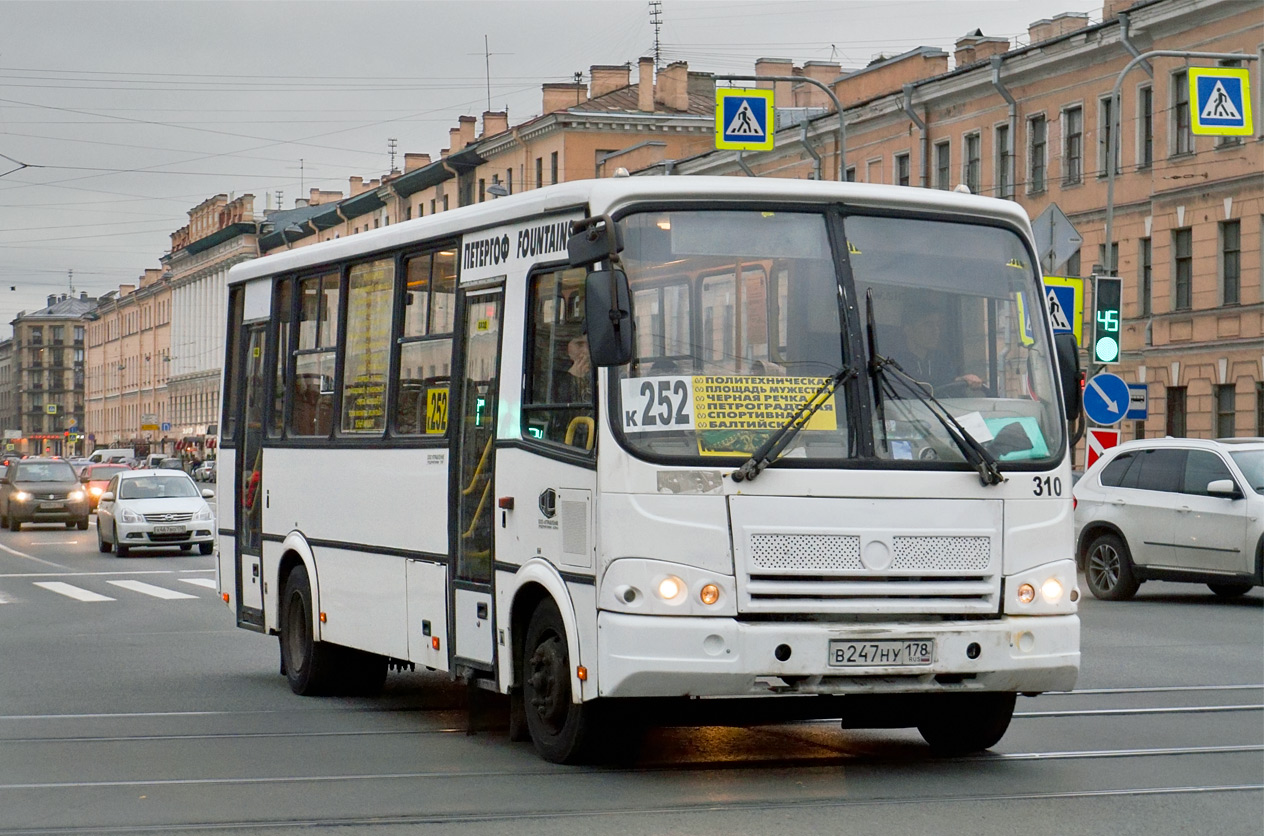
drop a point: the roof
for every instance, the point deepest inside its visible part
(627, 99)
(68, 308)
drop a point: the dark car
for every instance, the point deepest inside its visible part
(42, 490)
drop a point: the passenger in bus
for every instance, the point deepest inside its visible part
(925, 357)
(576, 385)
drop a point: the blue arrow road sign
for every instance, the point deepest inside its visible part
(1106, 399)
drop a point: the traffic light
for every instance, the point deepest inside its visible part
(1107, 301)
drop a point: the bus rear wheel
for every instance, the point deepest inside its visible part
(563, 731)
(962, 724)
(310, 666)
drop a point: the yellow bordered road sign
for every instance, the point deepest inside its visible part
(1220, 101)
(743, 119)
(1064, 297)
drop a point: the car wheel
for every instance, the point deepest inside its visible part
(1230, 590)
(563, 731)
(960, 724)
(102, 546)
(82, 525)
(206, 548)
(15, 524)
(120, 550)
(1108, 568)
(184, 547)
(310, 666)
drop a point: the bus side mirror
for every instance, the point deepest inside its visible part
(608, 317)
(1068, 356)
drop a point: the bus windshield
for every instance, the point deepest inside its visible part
(739, 322)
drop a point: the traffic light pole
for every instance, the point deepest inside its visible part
(1111, 267)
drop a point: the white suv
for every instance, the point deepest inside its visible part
(1172, 509)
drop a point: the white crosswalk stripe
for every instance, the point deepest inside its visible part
(71, 591)
(150, 589)
(208, 583)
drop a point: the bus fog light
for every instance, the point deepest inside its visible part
(709, 594)
(627, 594)
(1026, 593)
(669, 588)
(1051, 590)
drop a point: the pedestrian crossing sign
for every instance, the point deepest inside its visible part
(1064, 297)
(1220, 101)
(743, 120)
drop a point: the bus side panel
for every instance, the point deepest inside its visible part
(364, 599)
(428, 614)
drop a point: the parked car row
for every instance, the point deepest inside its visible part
(1172, 509)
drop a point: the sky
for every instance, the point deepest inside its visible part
(117, 118)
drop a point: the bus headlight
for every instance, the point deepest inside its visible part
(670, 587)
(1048, 589)
(643, 586)
(1051, 590)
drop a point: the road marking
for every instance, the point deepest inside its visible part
(29, 557)
(71, 591)
(1106, 712)
(71, 574)
(208, 583)
(150, 589)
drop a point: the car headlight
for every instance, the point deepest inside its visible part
(128, 516)
(21, 496)
(75, 496)
(204, 514)
(96, 491)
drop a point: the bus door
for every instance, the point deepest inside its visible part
(475, 497)
(249, 480)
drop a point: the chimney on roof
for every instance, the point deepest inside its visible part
(809, 95)
(412, 162)
(645, 85)
(671, 87)
(976, 46)
(781, 89)
(495, 122)
(468, 124)
(563, 96)
(1043, 30)
(52, 299)
(83, 296)
(356, 185)
(606, 78)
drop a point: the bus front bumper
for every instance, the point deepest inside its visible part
(640, 656)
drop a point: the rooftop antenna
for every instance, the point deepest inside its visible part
(487, 65)
(391, 143)
(70, 280)
(280, 196)
(656, 20)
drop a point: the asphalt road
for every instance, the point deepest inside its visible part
(132, 713)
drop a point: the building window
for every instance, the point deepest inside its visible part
(1176, 411)
(1138, 429)
(539, 172)
(482, 189)
(1145, 274)
(1037, 139)
(509, 180)
(902, 169)
(1183, 268)
(850, 174)
(943, 166)
(1004, 179)
(1259, 409)
(1106, 136)
(1145, 113)
(1231, 261)
(553, 165)
(971, 162)
(1182, 136)
(1226, 410)
(1072, 146)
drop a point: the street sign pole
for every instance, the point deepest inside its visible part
(1111, 268)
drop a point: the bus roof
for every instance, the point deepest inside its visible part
(606, 195)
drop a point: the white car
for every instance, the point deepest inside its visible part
(1172, 509)
(156, 509)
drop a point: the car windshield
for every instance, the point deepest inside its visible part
(157, 487)
(44, 472)
(1251, 463)
(739, 319)
(105, 474)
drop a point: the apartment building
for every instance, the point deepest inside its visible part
(128, 358)
(47, 373)
(1033, 124)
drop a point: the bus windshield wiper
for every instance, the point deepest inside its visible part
(975, 454)
(777, 443)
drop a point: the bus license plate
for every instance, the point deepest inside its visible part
(881, 653)
(169, 529)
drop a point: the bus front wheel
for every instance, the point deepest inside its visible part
(961, 724)
(309, 664)
(563, 731)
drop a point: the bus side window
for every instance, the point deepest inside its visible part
(558, 404)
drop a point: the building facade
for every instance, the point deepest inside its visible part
(1034, 125)
(128, 364)
(47, 368)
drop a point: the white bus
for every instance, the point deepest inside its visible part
(636, 449)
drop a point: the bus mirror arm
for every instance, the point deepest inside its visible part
(593, 239)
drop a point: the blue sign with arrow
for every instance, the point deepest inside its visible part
(1106, 399)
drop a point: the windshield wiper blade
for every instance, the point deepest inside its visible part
(771, 450)
(974, 453)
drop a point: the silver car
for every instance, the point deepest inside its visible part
(1172, 509)
(154, 508)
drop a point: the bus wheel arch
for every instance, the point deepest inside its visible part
(537, 582)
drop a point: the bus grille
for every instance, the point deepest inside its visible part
(832, 573)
